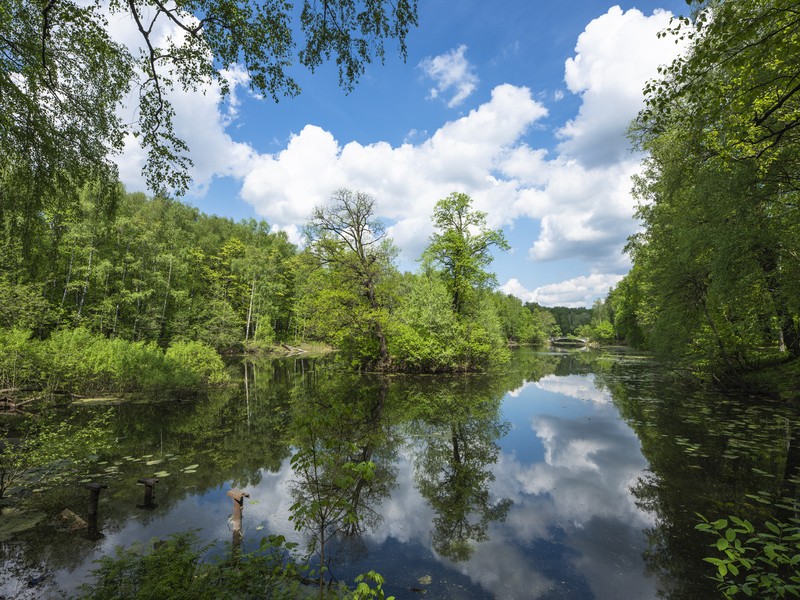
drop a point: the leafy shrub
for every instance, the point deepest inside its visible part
(761, 564)
(18, 357)
(197, 361)
(79, 361)
(179, 568)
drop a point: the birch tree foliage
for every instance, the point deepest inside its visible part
(62, 75)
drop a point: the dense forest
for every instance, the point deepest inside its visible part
(713, 288)
(715, 267)
(118, 266)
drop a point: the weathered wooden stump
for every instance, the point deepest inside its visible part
(238, 504)
(149, 484)
(93, 533)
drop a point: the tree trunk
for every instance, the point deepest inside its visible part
(122, 287)
(250, 309)
(166, 295)
(789, 335)
(69, 276)
(86, 281)
(383, 350)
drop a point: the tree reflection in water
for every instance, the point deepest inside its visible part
(343, 467)
(454, 466)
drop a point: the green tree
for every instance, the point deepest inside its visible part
(350, 246)
(742, 53)
(520, 324)
(716, 265)
(462, 248)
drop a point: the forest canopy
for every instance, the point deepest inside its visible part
(63, 75)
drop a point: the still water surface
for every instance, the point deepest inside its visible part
(571, 476)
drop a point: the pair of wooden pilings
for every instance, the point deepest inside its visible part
(94, 499)
(149, 484)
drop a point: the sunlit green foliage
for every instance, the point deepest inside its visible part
(153, 270)
(762, 564)
(600, 329)
(716, 267)
(347, 244)
(18, 360)
(520, 324)
(200, 360)
(81, 362)
(461, 247)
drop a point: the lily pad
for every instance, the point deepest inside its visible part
(161, 474)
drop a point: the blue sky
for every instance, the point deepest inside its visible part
(522, 105)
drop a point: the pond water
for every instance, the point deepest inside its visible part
(569, 475)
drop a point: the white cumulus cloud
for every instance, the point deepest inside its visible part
(452, 75)
(578, 192)
(615, 56)
(406, 180)
(575, 292)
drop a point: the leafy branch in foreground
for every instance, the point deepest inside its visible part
(63, 74)
(763, 564)
(180, 568)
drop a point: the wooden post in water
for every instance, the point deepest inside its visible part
(94, 498)
(238, 504)
(149, 484)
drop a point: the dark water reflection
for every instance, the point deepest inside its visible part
(567, 476)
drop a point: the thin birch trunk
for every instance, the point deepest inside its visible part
(86, 281)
